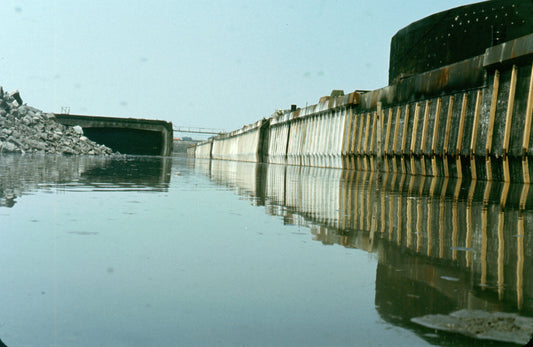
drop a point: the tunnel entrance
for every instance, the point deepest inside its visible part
(127, 141)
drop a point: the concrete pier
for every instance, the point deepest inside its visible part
(125, 135)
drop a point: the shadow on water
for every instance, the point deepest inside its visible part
(442, 245)
(23, 174)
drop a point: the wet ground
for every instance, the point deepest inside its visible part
(136, 251)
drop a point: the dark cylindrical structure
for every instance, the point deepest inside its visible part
(457, 34)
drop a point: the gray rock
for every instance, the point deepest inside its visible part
(16, 95)
(14, 140)
(26, 129)
(78, 129)
(8, 147)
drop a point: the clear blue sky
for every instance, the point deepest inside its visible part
(220, 64)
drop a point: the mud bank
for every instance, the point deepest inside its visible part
(25, 129)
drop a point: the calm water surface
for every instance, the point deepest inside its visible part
(135, 251)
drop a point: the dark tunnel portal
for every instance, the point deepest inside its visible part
(127, 141)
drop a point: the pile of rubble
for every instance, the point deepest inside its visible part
(25, 129)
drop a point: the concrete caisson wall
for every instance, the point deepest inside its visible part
(242, 145)
(203, 150)
(191, 152)
(279, 137)
(478, 131)
(469, 119)
(311, 136)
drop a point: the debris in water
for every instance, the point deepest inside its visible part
(497, 326)
(83, 232)
(463, 249)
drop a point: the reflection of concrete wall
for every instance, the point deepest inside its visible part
(476, 230)
(241, 176)
(459, 225)
(313, 192)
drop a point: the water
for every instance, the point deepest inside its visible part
(143, 251)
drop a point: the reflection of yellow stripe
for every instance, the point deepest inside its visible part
(501, 254)
(418, 224)
(410, 225)
(430, 226)
(430, 215)
(399, 202)
(520, 261)
(391, 213)
(441, 228)
(455, 216)
(445, 165)
(525, 170)
(468, 240)
(362, 195)
(382, 200)
(369, 204)
(442, 203)
(484, 220)
(350, 210)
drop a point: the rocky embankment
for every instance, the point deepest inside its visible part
(25, 129)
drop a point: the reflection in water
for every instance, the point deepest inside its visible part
(442, 244)
(22, 174)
